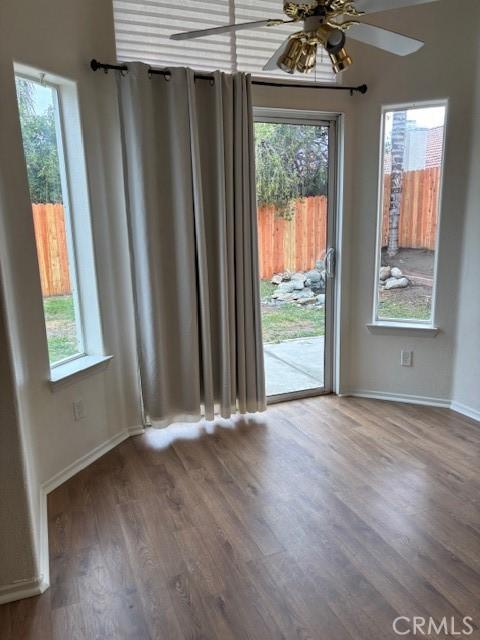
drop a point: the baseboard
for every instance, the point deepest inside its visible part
(23, 589)
(465, 410)
(43, 553)
(84, 461)
(399, 397)
(136, 431)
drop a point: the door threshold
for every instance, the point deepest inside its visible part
(297, 395)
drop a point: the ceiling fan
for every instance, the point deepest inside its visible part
(325, 24)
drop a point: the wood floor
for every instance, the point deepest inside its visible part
(321, 519)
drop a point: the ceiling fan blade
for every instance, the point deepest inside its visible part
(373, 6)
(387, 40)
(187, 35)
(271, 65)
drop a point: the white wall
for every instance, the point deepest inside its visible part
(60, 36)
(433, 73)
(16, 562)
(466, 391)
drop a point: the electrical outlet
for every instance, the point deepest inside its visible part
(78, 410)
(406, 358)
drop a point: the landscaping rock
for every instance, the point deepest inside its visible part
(321, 298)
(305, 301)
(276, 278)
(320, 265)
(313, 276)
(287, 276)
(297, 284)
(385, 273)
(316, 281)
(303, 294)
(283, 288)
(396, 272)
(396, 283)
(299, 275)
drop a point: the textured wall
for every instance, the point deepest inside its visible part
(16, 535)
(467, 362)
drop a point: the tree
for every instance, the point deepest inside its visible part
(291, 163)
(26, 102)
(40, 146)
(399, 128)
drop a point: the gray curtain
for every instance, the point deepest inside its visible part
(189, 167)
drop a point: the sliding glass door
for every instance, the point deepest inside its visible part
(295, 178)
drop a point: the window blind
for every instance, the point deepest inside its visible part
(143, 29)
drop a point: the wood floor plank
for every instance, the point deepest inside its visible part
(322, 518)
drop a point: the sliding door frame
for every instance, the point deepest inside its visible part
(333, 122)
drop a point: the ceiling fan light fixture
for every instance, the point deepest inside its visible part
(289, 61)
(340, 60)
(308, 59)
(335, 40)
(324, 24)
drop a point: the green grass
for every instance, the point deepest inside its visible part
(266, 289)
(61, 348)
(60, 324)
(403, 310)
(288, 321)
(59, 308)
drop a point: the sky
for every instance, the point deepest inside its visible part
(428, 117)
(42, 97)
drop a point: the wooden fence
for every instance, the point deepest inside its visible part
(51, 240)
(294, 244)
(418, 211)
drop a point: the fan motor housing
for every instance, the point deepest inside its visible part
(312, 23)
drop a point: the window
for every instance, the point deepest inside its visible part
(57, 181)
(411, 176)
(142, 32)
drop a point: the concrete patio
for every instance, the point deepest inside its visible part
(294, 365)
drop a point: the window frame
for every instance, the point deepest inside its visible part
(406, 323)
(78, 226)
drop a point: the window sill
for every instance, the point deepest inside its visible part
(78, 368)
(418, 330)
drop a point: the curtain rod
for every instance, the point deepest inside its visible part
(95, 66)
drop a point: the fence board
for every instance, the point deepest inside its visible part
(292, 245)
(418, 210)
(51, 241)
